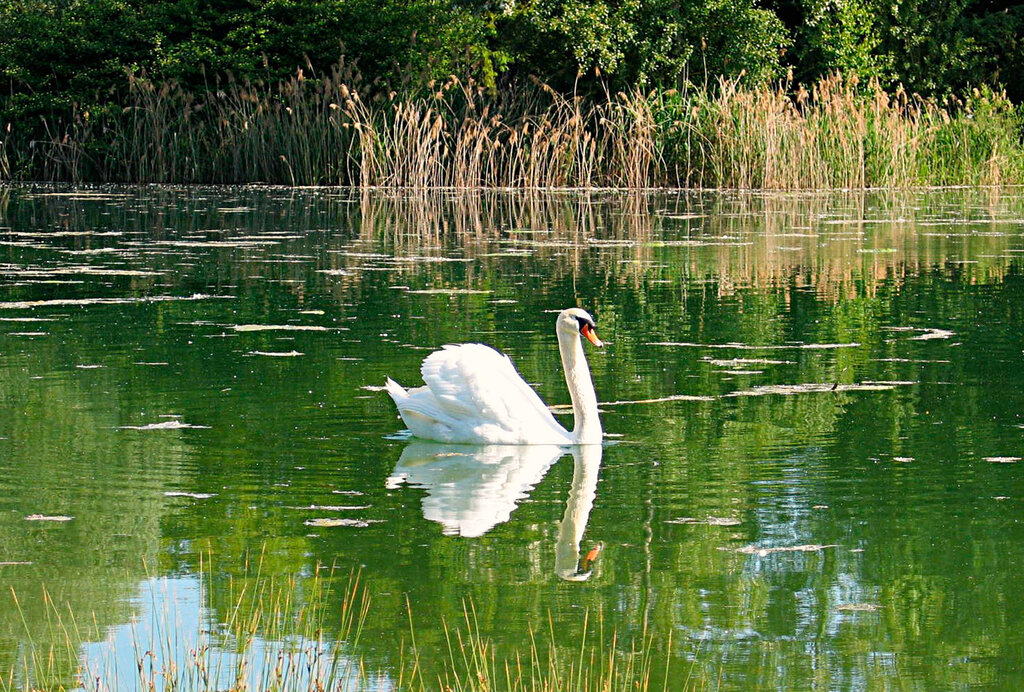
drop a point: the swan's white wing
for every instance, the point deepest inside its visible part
(475, 381)
(474, 394)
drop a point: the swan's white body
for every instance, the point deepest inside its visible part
(474, 395)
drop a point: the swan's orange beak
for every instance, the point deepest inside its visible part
(588, 331)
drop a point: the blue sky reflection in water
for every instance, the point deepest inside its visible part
(171, 630)
(814, 401)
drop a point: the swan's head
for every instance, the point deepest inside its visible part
(574, 320)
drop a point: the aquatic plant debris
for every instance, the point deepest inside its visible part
(46, 517)
(67, 302)
(926, 333)
(1002, 460)
(240, 244)
(86, 271)
(723, 521)
(331, 522)
(165, 425)
(283, 328)
(933, 334)
(450, 291)
(732, 362)
(565, 408)
(753, 347)
(331, 508)
(760, 390)
(761, 551)
(710, 521)
(810, 387)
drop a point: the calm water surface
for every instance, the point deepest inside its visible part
(813, 407)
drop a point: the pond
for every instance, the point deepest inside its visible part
(812, 403)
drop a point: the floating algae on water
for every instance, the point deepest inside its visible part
(332, 522)
(710, 521)
(165, 425)
(753, 347)
(284, 328)
(763, 551)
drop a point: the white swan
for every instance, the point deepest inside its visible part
(473, 394)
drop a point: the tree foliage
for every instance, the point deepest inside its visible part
(643, 42)
(932, 48)
(63, 55)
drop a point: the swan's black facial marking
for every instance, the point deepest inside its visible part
(586, 326)
(584, 322)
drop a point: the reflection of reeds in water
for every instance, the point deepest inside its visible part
(456, 134)
(836, 245)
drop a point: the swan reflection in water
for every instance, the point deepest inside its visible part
(472, 489)
(568, 563)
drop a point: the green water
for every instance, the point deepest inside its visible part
(813, 409)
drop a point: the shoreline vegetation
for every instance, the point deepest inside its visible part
(839, 133)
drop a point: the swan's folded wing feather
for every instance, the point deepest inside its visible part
(475, 381)
(421, 401)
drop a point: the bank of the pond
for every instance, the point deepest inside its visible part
(837, 134)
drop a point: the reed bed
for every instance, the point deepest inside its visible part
(840, 134)
(328, 130)
(299, 637)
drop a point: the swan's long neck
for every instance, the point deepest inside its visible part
(587, 421)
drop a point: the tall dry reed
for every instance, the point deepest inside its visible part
(5, 160)
(841, 134)
(328, 130)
